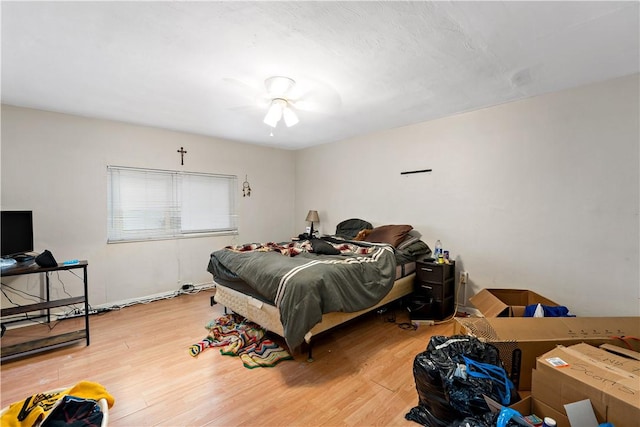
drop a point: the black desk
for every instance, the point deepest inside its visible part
(50, 342)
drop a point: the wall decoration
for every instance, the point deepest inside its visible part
(246, 189)
(182, 152)
(417, 171)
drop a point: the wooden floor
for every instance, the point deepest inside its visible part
(361, 374)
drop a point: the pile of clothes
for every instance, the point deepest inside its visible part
(74, 406)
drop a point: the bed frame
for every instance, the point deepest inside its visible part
(268, 316)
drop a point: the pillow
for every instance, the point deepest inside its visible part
(415, 233)
(350, 228)
(408, 240)
(391, 234)
(417, 248)
(320, 247)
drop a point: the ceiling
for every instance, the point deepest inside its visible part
(200, 67)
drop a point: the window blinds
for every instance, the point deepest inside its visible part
(149, 204)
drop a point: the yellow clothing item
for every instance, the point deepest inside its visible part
(34, 408)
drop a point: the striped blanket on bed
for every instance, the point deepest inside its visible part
(297, 247)
(309, 284)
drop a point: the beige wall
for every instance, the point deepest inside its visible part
(55, 164)
(540, 194)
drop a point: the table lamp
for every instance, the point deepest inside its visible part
(312, 216)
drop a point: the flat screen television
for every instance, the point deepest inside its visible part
(17, 233)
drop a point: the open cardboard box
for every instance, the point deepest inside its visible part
(507, 302)
(521, 340)
(570, 374)
(530, 405)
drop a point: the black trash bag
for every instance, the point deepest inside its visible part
(427, 376)
(470, 369)
(431, 393)
(487, 419)
(445, 396)
(423, 416)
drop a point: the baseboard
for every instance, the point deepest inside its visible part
(133, 301)
(158, 296)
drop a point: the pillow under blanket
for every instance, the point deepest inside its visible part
(320, 247)
(414, 246)
(349, 228)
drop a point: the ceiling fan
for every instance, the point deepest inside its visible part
(283, 98)
(281, 107)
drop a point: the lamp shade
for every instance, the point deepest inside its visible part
(312, 216)
(275, 112)
(279, 109)
(290, 117)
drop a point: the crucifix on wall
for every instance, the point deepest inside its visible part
(182, 152)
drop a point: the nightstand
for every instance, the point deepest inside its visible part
(433, 291)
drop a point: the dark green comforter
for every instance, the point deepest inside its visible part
(305, 286)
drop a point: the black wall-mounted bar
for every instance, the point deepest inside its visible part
(420, 171)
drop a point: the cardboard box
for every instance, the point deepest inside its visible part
(530, 405)
(619, 358)
(521, 340)
(624, 351)
(565, 375)
(507, 302)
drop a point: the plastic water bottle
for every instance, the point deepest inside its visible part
(437, 251)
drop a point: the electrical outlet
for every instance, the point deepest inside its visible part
(464, 277)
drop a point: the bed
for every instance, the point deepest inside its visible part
(301, 288)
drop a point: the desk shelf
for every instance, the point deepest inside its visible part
(41, 306)
(54, 341)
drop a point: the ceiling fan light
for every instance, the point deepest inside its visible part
(277, 86)
(290, 117)
(275, 112)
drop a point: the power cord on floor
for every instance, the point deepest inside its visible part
(186, 289)
(391, 318)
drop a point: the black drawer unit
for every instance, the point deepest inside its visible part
(433, 295)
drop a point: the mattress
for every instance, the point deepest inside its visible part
(245, 301)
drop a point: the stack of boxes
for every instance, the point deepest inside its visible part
(609, 381)
(528, 347)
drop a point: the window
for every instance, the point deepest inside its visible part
(148, 204)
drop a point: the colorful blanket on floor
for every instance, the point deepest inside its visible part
(236, 336)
